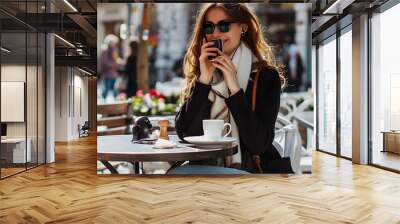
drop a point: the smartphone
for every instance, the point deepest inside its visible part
(218, 43)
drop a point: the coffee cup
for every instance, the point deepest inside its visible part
(213, 129)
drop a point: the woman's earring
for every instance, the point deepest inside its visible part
(243, 33)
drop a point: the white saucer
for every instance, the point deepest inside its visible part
(202, 141)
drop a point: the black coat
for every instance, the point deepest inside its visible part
(130, 70)
(256, 128)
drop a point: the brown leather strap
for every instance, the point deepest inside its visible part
(256, 158)
(220, 113)
(254, 94)
(217, 93)
(257, 162)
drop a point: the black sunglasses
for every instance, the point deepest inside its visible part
(223, 27)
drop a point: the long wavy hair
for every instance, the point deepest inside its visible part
(253, 38)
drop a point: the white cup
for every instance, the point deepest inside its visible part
(213, 129)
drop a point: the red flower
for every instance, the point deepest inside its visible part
(139, 93)
(153, 92)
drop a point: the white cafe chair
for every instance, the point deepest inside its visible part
(287, 142)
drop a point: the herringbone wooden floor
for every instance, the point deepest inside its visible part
(69, 191)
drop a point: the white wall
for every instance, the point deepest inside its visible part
(71, 102)
(33, 125)
(12, 100)
(61, 103)
(80, 97)
(14, 73)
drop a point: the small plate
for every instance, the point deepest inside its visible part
(202, 141)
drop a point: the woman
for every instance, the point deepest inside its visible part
(245, 53)
(110, 63)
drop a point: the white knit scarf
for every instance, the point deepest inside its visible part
(242, 60)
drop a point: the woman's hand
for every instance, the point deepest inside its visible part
(206, 67)
(224, 63)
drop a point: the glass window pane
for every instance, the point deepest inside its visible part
(31, 85)
(15, 150)
(31, 97)
(346, 94)
(13, 85)
(385, 82)
(327, 96)
(22, 71)
(41, 99)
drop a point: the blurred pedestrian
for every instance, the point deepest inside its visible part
(131, 69)
(178, 68)
(110, 63)
(152, 68)
(299, 72)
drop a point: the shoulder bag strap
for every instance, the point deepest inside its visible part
(256, 158)
(254, 93)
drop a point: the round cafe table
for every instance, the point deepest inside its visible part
(121, 148)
